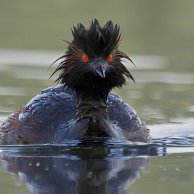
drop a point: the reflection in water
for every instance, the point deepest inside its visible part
(78, 169)
(49, 175)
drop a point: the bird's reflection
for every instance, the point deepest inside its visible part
(91, 170)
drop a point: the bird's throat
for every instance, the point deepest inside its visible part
(94, 114)
(90, 108)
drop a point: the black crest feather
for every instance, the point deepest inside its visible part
(97, 40)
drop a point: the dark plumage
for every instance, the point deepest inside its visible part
(97, 43)
(82, 104)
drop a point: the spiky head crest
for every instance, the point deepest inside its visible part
(97, 40)
(92, 62)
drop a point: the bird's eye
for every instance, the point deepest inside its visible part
(109, 58)
(85, 58)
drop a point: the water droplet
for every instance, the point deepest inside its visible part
(37, 164)
(46, 168)
(89, 175)
(30, 164)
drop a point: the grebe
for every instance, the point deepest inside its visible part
(82, 104)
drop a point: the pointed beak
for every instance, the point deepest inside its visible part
(101, 70)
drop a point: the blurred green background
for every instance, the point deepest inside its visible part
(149, 27)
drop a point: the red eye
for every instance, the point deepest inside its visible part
(109, 58)
(85, 58)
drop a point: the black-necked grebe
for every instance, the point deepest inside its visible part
(82, 105)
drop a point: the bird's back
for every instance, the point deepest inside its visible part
(52, 111)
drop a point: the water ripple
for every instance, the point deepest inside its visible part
(98, 147)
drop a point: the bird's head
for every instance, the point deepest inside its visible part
(92, 63)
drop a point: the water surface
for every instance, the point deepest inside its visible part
(163, 99)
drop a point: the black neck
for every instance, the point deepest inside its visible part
(92, 110)
(92, 104)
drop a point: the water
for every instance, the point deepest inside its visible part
(164, 100)
(96, 167)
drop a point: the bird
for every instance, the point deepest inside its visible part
(81, 104)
